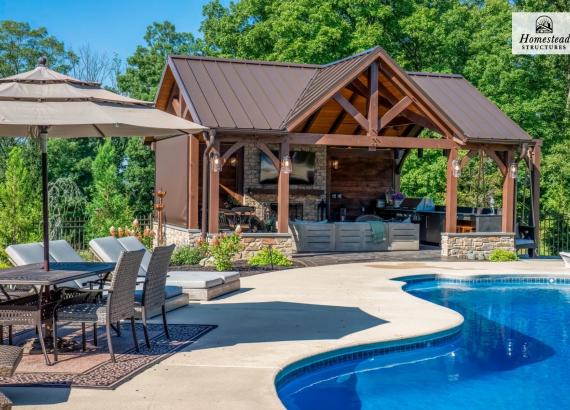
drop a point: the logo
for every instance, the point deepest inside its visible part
(541, 33)
(544, 25)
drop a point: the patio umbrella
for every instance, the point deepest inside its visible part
(43, 103)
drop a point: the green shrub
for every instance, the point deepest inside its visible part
(501, 255)
(189, 255)
(87, 255)
(269, 257)
(223, 249)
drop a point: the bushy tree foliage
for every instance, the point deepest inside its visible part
(139, 176)
(145, 66)
(20, 210)
(109, 205)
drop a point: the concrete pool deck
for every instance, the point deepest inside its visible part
(276, 319)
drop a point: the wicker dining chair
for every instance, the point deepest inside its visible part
(153, 296)
(120, 303)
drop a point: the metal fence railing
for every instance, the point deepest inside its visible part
(554, 235)
(73, 231)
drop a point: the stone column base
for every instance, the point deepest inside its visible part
(475, 245)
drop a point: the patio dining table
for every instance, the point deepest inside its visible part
(45, 300)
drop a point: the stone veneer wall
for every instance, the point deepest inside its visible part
(476, 245)
(253, 241)
(309, 202)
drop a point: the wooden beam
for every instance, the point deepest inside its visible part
(231, 150)
(283, 194)
(193, 180)
(396, 110)
(265, 149)
(411, 115)
(310, 121)
(360, 88)
(351, 109)
(373, 100)
(214, 200)
(465, 160)
(495, 157)
(451, 194)
(508, 219)
(340, 118)
(177, 106)
(366, 141)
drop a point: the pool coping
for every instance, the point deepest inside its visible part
(360, 351)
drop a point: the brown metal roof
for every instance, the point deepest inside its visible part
(242, 94)
(478, 118)
(261, 95)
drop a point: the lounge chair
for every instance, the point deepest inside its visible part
(198, 285)
(566, 258)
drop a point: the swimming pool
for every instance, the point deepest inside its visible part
(512, 352)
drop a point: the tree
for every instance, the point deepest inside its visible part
(109, 205)
(21, 46)
(20, 213)
(139, 176)
(95, 66)
(144, 68)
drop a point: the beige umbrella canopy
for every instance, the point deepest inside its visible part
(43, 103)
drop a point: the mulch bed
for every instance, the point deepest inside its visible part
(93, 369)
(241, 266)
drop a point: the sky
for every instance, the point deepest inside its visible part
(107, 26)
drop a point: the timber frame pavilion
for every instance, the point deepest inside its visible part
(365, 100)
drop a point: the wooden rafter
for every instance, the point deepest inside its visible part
(352, 110)
(340, 117)
(310, 121)
(396, 110)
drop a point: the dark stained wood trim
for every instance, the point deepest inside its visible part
(395, 111)
(351, 109)
(265, 149)
(373, 100)
(360, 88)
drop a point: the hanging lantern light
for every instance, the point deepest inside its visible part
(335, 164)
(456, 166)
(513, 170)
(216, 162)
(286, 164)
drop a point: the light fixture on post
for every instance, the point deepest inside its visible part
(286, 164)
(233, 162)
(456, 165)
(513, 170)
(334, 164)
(216, 162)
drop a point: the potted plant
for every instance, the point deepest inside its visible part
(398, 198)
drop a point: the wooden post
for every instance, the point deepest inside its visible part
(534, 163)
(451, 194)
(373, 100)
(283, 194)
(214, 200)
(508, 196)
(193, 177)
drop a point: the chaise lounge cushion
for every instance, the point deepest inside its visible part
(130, 243)
(194, 280)
(26, 253)
(61, 251)
(169, 292)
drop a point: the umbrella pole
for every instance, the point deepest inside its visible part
(45, 210)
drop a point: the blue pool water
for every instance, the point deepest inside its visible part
(513, 352)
